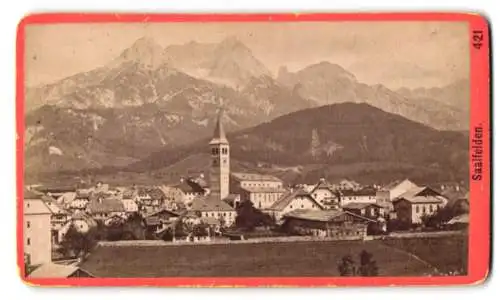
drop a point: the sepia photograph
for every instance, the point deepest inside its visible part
(248, 149)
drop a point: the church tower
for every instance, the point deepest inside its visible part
(219, 160)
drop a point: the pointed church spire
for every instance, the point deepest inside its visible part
(219, 136)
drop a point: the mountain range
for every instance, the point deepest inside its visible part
(152, 99)
(333, 141)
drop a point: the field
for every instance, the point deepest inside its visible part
(266, 259)
(447, 254)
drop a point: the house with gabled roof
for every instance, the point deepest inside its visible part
(292, 200)
(101, 207)
(37, 239)
(363, 195)
(52, 270)
(325, 194)
(326, 223)
(58, 219)
(129, 202)
(262, 197)
(212, 206)
(417, 202)
(190, 190)
(158, 220)
(368, 210)
(385, 195)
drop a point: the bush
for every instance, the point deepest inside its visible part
(368, 266)
(346, 266)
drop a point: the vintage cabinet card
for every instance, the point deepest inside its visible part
(253, 149)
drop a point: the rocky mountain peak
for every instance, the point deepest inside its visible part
(145, 51)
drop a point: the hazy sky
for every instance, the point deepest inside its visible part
(396, 54)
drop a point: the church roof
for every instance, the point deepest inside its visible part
(254, 177)
(219, 136)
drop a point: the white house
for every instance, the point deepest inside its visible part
(129, 204)
(411, 206)
(190, 190)
(211, 207)
(37, 229)
(388, 193)
(364, 195)
(324, 194)
(297, 199)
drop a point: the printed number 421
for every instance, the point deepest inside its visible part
(477, 39)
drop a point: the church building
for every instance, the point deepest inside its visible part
(219, 166)
(215, 204)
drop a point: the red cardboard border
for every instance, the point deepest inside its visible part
(479, 236)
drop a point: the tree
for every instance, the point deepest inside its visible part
(368, 266)
(346, 266)
(199, 230)
(248, 217)
(134, 227)
(438, 218)
(168, 235)
(77, 244)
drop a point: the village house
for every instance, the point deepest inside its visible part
(261, 197)
(79, 202)
(255, 180)
(159, 220)
(297, 199)
(80, 221)
(417, 202)
(326, 224)
(37, 229)
(129, 203)
(52, 270)
(388, 193)
(152, 197)
(102, 208)
(306, 187)
(233, 200)
(346, 184)
(190, 190)
(367, 210)
(325, 195)
(211, 206)
(65, 199)
(364, 195)
(459, 222)
(262, 190)
(172, 195)
(58, 219)
(55, 192)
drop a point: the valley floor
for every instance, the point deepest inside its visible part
(421, 256)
